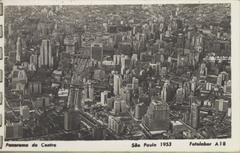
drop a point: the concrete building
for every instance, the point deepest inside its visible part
(97, 51)
(41, 102)
(180, 95)
(120, 106)
(117, 106)
(203, 70)
(89, 90)
(177, 127)
(114, 124)
(165, 91)
(140, 110)
(18, 50)
(99, 75)
(71, 121)
(35, 87)
(117, 59)
(67, 121)
(194, 115)
(14, 130)
(221, 105)
(125, 61)
(24, 112)
(45, 58)
(19, 78)
(34, 60)
(193, 84)
(222, 78)
(110, 103)
(227, 88)
(135, 83)
(117, 84)
(70, 45)
(180, 41)
(57, 75)
(125, 47)
(123, 106)
(157, 116)
(74, 98)
(117, 124)
(104, 96)
(77, 99)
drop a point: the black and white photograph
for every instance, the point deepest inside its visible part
(1, 98)
(1, 53)
(1, 31)
(1, 141)
(117, 72)
(1, 8)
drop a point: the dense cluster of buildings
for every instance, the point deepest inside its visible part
(140, 72)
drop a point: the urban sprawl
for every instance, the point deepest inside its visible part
(117, 72)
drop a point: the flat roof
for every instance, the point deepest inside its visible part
(175, 123)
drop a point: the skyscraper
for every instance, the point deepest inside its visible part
(34, 87)
(14, 130)
(34, 59)
(45, 57)
(104, 96)
(19, 50)
(117, 106)
(180, 95)
(194, 115)
(69, 44)
(135, 83)
(157, 116)
(222, 78)
(227, 88)
(203, 70)
(194, 84)
(117, 83)
(68, 119)
(120, 106)
(140, 110)
(71, 96)
(97, 51)
(164, 92)
(24, 112)
(74, 98)
(180, 41)
(77, 99)
(117, 59)
(19, 78)
(89, 90)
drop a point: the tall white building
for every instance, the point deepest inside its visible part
(164, 91)
(104, 96)
(194, 84)
(45, 58)
(180, 95)
(117, 59)
(19, 50)
(120, 106)
(117, 83)
(135, 83)
(74, 98)
(34, 59)
(89, 90)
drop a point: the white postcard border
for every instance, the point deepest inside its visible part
(232, 144)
